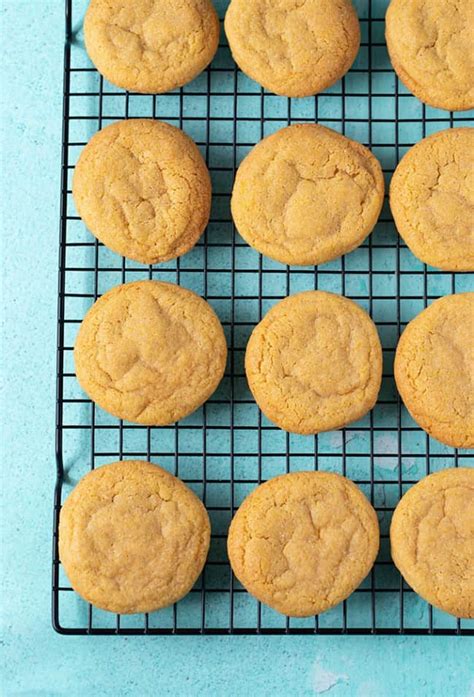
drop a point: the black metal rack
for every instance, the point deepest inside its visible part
(227, 447)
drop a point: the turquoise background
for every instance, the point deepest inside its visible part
(35, 660)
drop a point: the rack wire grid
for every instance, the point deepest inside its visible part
(227, 447)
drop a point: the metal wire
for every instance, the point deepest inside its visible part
(228, 447)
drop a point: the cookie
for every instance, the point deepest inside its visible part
(432, 199)
(143, 189)
(432, 540)
(302, 542)
(434, 369)
(132, 538)
(306, 195)
(314, 363)
(430, 46)
(151, 46)
(150, 352)
(293, 48)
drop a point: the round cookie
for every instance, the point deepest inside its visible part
(150, 352)
(302, 542)
(132, 538)
(432, 540)
(432, 199)
(151, 46)
(306, 195)
(314, 363)
(434, 369)
(293, 48)
(143, 189)
(430, 46)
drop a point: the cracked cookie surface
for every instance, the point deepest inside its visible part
(314, 363)
(150, 352)
(432, 540)
(143, 189)
(432, 199)
(151, 46)
(294, 48)
(306, 195)
(430, 46)
(302, 542)
(132, 538)
(434, 364)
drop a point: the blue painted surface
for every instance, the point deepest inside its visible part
(35, 660)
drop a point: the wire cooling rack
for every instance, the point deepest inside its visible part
(226, 448)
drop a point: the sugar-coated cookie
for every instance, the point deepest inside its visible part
(143, 189)
(306, 195)
(434, 369)
(432, 199)
(302, 542)
(430, 46)
(132, 538)
(432, 540)
(151, 46)
(314, 362)
(150, 352)
(293, 48)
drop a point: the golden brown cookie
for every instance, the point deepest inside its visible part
(151, 46)
(133, 538)
(434, 369)
(432, 199)
(302, 542)
(143, 189)
(306, 195)
(293, 48)
(150, 352)
(430, 46)
(432, 539)
(314, 363)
